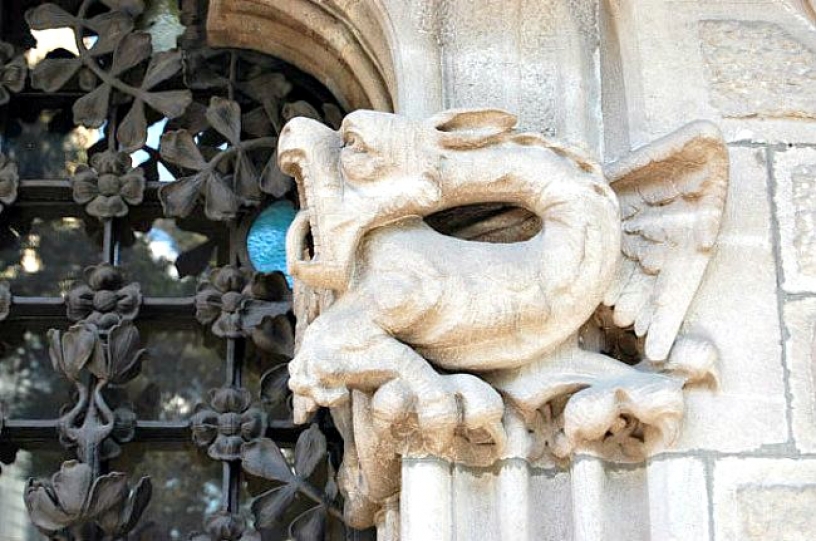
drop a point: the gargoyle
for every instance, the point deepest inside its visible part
(439, 339)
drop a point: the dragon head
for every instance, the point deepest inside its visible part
(376, 169)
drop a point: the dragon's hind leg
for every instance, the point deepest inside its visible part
(590, 398)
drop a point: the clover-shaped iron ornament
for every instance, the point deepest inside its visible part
(9, 181)
(105, 69)
(73, 497)
(13, 69)
(263, 458)
(235, 302)
(109, 185)
(230, 179)
(227, 423)
(104, 299)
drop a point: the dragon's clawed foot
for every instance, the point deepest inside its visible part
(626, 411)
(447, 406)
(314, 384)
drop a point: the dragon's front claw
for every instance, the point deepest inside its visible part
(311, 392)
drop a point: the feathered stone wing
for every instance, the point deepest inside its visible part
(672, 194)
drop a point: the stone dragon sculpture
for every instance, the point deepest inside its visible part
(426, 343)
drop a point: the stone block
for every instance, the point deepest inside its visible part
(800, 323)
(745, 64)
(758, 499)
(795, 198)
(736, 306)
(758, 69)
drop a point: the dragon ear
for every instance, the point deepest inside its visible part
(471, 128)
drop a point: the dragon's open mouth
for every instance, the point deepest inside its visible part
(303, 146)
(292, 164)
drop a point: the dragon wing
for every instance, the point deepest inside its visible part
(672, 194)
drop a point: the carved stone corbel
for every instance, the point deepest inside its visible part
(424, 344)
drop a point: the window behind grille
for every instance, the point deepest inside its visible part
(139, 193)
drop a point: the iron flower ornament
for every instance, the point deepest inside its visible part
(89, 424)
(224, 526)
(109, 185)
(223, 158)
(104, 299)
(235, 302)
(13, 69)
(227, 423)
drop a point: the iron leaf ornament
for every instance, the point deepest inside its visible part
(106, 68)
(75, 502)
(229, 180)
(13, 71)
(263, 458)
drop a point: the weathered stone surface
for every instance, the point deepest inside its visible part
(535, 58)
(660, 46)
(757, 69)
(737, 307)
(807, 8)
(800, 323)
(600, 493)
(551, 521)
(762, 499)
(460, 503)
(795, 175)
(777, 511)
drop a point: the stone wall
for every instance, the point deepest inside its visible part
(745, 466)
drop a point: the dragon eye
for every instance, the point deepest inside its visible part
(353, 141)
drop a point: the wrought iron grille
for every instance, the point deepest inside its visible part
(142, 355)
